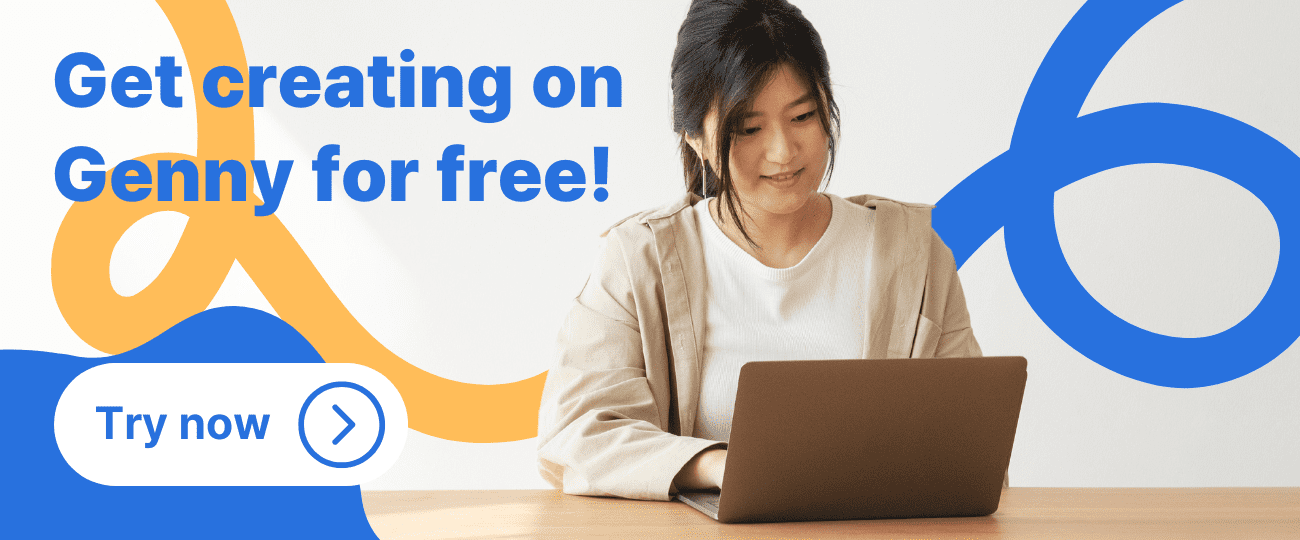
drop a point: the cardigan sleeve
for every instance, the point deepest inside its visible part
(600, 428)
(955, 337)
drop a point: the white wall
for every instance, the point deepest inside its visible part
(929, 92)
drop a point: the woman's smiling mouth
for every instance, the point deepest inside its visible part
(784, 177)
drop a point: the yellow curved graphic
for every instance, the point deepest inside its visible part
(218, 233)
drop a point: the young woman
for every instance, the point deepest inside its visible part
(753, 263)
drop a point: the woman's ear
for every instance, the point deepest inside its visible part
(697, 144)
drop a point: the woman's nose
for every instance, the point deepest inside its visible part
(780, 147)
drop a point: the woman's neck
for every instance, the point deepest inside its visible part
(783, 239)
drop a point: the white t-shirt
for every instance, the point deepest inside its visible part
(814, 310)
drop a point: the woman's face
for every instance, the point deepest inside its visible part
(779, 155)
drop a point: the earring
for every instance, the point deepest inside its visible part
(704, 179)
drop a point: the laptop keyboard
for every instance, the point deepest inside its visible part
(707, 500)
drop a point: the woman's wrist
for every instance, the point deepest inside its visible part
(714, 462)
(704, 471)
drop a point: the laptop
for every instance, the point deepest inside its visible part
(865, 439)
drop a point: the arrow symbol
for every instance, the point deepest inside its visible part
(345, 431)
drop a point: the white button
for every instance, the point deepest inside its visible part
(230, 424)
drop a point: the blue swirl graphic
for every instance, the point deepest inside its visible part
(1053, 147)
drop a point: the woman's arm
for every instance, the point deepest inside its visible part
(957, 339)
(704, 471)
(605, 412)
(945, 329)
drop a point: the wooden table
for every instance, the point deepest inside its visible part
(1024, 513)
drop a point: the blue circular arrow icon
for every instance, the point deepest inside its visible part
(302, 422)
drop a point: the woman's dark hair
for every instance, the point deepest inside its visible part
(727, 50)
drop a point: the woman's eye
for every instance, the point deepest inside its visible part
(748, 131)
(805, 116)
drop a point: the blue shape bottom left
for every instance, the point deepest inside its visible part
(44, 498)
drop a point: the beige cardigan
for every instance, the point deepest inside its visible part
(626, 382)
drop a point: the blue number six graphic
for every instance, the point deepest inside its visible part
(1053, 147)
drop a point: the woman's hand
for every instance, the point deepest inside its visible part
(704, 471)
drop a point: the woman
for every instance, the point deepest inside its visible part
(752, 263)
